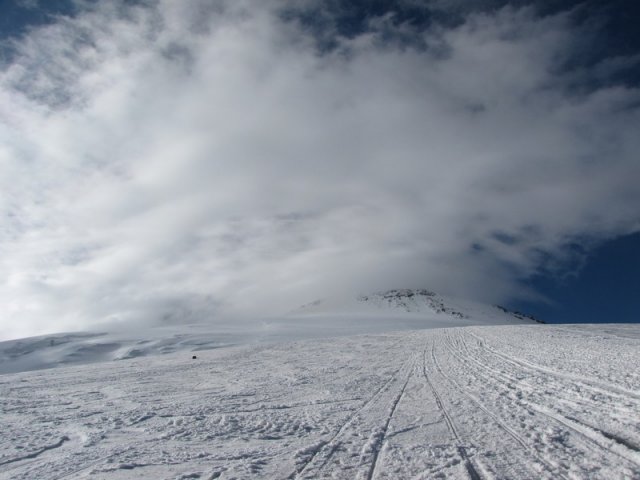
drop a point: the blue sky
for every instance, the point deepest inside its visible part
(170, 161)
(603, 288)
(17, 17)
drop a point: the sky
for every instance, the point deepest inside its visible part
(167, 162)
(603, 287)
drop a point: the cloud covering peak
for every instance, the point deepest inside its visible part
(180, 161)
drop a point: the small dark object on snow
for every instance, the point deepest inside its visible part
(194, 357)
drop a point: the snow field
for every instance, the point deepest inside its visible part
(522, 401)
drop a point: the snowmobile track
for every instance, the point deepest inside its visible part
(501, 424)
(598, 386)
(392, 411)
(594, 439)
(473, 473)
(329, 447)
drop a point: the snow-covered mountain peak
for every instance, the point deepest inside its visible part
(397, 302)
(411, 301)
(420, 307)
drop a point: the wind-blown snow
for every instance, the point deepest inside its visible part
(475, 401)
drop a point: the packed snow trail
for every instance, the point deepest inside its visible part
(517, 402)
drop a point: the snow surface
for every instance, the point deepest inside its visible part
(375, 313)
(481, 402)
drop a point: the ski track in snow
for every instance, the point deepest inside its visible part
(521, 402)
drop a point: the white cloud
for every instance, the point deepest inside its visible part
(177, 161)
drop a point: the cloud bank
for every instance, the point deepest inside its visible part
(185, 161)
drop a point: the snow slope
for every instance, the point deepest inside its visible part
(510, 401)
(375, 313)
